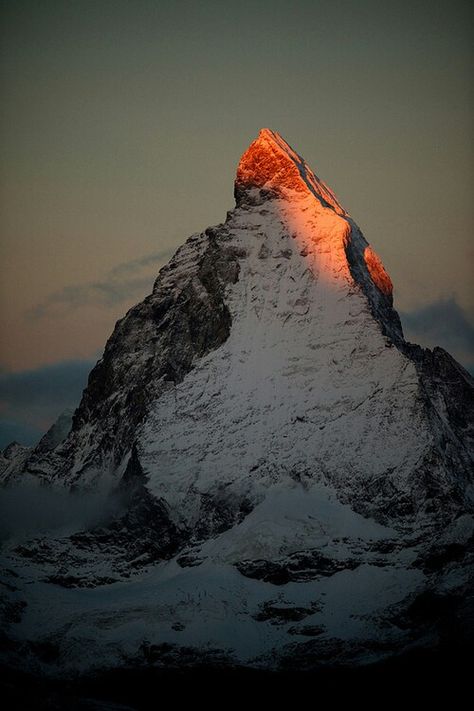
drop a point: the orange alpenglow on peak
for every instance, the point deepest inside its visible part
(270, 168)
(377, 271)
(270, 164)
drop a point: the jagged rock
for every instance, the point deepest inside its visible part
(57, 433)
(12, 460)
(278, 614)
(298, 567)
(307, 630)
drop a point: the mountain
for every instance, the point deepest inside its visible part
(287, 482)
(57, 433)
(12, 458)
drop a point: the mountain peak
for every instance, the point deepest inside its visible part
(279, 464)
(270, 164)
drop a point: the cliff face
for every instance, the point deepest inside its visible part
(264, 424)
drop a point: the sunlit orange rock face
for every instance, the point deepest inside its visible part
(377, 271)
(270, 163)
(263, 165)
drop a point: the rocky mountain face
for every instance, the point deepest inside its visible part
(57, 433)
(12, 459)
(292, 479)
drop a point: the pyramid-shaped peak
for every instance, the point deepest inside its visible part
(267, 135)
(272, 165)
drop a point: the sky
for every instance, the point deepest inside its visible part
(121, 126)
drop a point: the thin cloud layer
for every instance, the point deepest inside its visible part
(31, 400)
(11, 431)
(442, 323)
(123, 282)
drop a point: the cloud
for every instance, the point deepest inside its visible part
(31, 400)
(442, 323)
(29, 509)
(18, 432)
(136, 265)
(124, 281)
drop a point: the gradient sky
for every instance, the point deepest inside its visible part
(122, 124)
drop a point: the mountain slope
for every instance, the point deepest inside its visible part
(285, 465)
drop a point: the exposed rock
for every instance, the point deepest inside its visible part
(298, 567)
(279, 614)
(57, 433)
(12, 460)
(307, 630)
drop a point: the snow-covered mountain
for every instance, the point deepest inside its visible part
(292, 481)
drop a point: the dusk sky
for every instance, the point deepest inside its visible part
(122, 124)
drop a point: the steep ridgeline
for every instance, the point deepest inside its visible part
(150, 351)
(267, 428)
